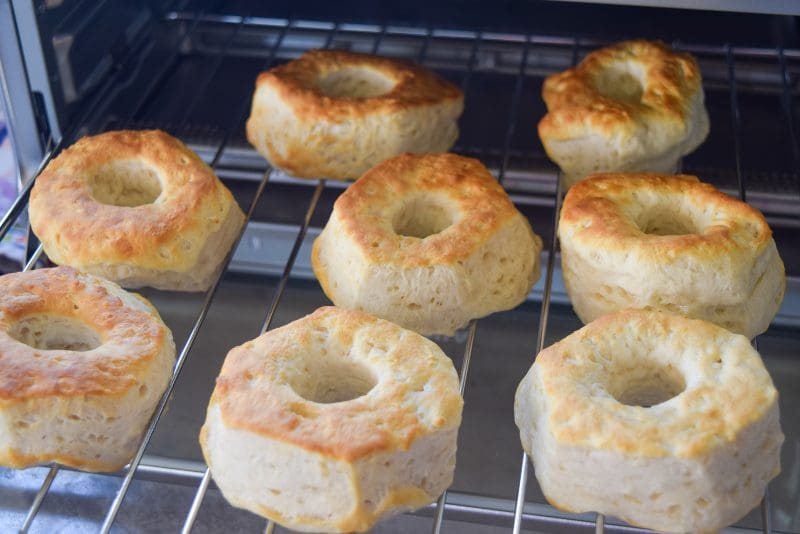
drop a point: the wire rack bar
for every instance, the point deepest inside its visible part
(426, 43)
(22, 198)
(441, 503)
(200, 494)
(202, 488)
(37, 501)
(332, 36)
(600, 524)
(122, 492)
(540, 340)
(298, 242)
(117, 502)
(473, 57)
(159, 78)
(741, 180)
(411, 31)
(378, 40)
(512, 119)
(198, 93)
(197, 502)
(31, 263)
(786, 101)
(543, 317)
(736, 121)
(462, 385)
(51, 474)
(766, 512)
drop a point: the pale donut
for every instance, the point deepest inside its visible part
(83, 364)
(428, 242)
(672, 243)
(333, 422)
(137, 208)
(697, 459)
(335, 114)
(634, 106)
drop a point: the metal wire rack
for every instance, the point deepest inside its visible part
(524, 57)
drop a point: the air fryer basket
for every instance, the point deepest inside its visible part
(192, 74)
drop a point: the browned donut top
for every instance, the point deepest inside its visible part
(725, 385)
(478, 205)
(167, 233)
(300, 85)
(415, 391)
(579, 102)
(131, 336)
(611, 212)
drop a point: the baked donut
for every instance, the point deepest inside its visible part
(634, 106)
(335, 114)
(332, 422)
(83, 364)
(428, 242)
(666, 422)
(137, 208)
(672, 243)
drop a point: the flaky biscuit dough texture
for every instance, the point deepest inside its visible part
(633, 106)
(83, 364)
(695, 462)
(335, 114)
(428, 242)
(333, 422)
(138, 208)
(672, 243)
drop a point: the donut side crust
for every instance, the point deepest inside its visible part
(599, 225)
(361, 492)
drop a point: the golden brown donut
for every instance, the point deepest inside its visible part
(135, 207)
(335, 114)
(83, 364)
(428, 242)
(333, 422)
(672, 243)
(633, 106)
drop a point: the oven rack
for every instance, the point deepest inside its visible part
(417, 44)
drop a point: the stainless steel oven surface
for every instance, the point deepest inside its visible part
(189, 69)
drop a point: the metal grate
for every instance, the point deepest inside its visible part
(526, 173)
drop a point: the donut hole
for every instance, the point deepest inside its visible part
(125, 183)
(422, 216)
(355, 82)
(647, 385)
(54, 332)
(654, 222)
(329, 380)
(622, 82)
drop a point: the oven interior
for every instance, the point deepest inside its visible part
(189, 69)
